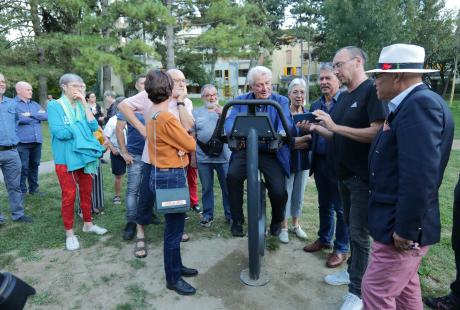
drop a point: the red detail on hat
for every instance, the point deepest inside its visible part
(386, 66)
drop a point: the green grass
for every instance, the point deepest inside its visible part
(46, 146)
(455, 108)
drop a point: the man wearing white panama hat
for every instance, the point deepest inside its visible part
(406, 165)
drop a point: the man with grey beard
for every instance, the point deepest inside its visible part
(206, 118)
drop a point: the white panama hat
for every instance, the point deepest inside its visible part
(402, 58)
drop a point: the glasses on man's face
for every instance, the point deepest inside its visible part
(338, 65)
(375, 76)
(179, 81)
(81, 86)
(210, 95)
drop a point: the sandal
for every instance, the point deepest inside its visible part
(139, 249)
(185, 237)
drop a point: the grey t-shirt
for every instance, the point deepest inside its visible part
(205, 122)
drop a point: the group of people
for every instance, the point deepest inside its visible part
(377, 150)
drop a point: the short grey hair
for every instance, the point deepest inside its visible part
(295, 82)
(257, 70)
(356, 52)
(69, 78)
(326, 66)
(110, 93)
(207, 86)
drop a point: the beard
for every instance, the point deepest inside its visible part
(210, 105)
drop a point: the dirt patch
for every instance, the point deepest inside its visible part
(104, 277)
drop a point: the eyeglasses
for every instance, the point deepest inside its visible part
(77, 85)
(339, 65)
(179, 81)
(210, 95)
(298, 92)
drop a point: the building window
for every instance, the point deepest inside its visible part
(243, 72)
(288, 57)
(218, 73)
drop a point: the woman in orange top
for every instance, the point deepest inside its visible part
(168, 142)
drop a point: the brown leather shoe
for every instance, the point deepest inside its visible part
(336, 259)
(316, 246)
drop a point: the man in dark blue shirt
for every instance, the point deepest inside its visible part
(326, 181)
(10, 163)
(31, 114)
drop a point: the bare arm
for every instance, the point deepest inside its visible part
(119, 128)
(131, 118)
(364, 135)
(186, 119)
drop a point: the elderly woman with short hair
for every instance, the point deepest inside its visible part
(76, 153)
(297, 181)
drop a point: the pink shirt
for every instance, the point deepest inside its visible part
(142, 104)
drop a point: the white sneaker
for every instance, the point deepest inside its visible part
(71, 243)
(299, 232)
(95, 229)
(352, 302)
(339, 278)
(284, 236)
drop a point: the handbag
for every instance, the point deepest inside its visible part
(170, 200)
(214, 146)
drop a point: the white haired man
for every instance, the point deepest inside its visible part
(29, 131)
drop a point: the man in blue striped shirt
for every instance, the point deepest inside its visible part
(30, 114)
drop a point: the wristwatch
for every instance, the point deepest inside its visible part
(180, 103)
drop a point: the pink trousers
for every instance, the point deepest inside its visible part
(391, 280)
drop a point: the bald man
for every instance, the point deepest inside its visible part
(29, 131)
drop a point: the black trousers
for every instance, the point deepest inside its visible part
(455, 286)
(275, 180)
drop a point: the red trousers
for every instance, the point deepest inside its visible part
(391, 280)
(68, 182)
(192, 179)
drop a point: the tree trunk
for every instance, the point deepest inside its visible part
(170, 64)
(42, 79)
(106, 78)
(452, 91)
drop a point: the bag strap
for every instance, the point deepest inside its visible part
(154, 117)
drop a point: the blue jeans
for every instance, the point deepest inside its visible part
(295, 187)
(10, 163)
(132, 188)
(329, 202)
(206, 173)
(30, 154)
(174, 222)
(146, 199)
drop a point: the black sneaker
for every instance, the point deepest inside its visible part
(237, 229)
(442, 303)
(275, 229)
(24, 219)
(206, 222)
(129, 231)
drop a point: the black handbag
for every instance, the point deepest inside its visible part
(170, 200)
(214, 146)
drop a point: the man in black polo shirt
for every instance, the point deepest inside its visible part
(351, 127)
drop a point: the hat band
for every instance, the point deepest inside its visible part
(396, 66)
